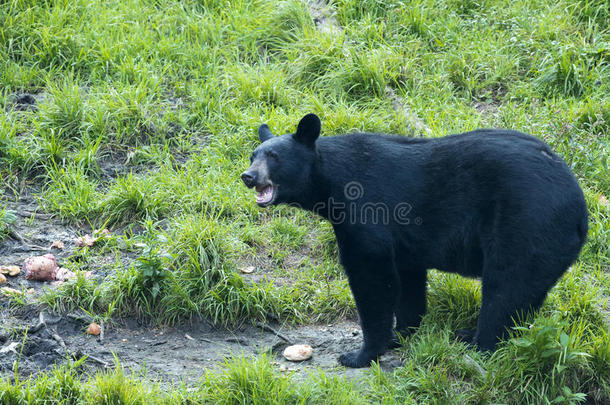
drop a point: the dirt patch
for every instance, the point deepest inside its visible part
(171, 355)
(25, 101)
(489, 101)
(27, 345)
(324, 17)
(490, 108)
(33, 233)
(416, 124)
(116, 162)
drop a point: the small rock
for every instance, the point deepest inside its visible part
(189, 337)
(282, 368)
(2, 279)
(94, 329)
(9, 348)
(476, 366)
(298, 352)
(247, 270)
(124, 340)
(10, 270)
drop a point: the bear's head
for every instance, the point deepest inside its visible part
(281, 166)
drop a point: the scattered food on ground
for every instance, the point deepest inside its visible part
(89, 240)
(94, 329)
(10, 270)
(58, 244)
(10, 291)
(86, 240)
(45, 268)
(298, 352)
(42, 268)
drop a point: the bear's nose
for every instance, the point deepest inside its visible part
(249, 178)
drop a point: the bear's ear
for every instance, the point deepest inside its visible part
(264, 133)
(308, 130)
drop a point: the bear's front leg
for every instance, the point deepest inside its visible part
(374, 283)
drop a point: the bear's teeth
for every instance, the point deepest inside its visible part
(265, 195)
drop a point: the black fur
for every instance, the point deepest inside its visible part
(494, 204)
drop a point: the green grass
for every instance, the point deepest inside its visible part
(548, 356)
(147, 112)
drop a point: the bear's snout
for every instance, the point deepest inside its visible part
(249, 178)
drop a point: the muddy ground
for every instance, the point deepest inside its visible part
(170, 355)
(37, 339)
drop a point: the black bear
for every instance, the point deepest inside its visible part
(495, 204)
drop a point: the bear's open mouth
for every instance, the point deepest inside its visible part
(266, 194)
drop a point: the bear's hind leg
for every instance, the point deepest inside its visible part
(411, 305)
(509, 293)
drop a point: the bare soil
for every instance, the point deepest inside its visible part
(172, 354)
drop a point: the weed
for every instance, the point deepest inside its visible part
(7, 218)
(153, 266)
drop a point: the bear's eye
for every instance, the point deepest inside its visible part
(272, 154)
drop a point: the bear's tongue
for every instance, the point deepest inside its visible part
(265, 195)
